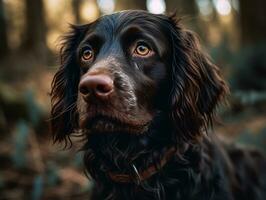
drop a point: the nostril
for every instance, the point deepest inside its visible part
(104, 89)
(99, 85)
(84, 90)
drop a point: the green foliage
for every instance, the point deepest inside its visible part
(250, 138)
(34, 110)
(78, 159)
(222, 54)
(16, 105)
(37, 187)
(249, 69)
(251, 98)
(52, 176)
(20, 144)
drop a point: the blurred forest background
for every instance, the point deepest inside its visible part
(31, 167)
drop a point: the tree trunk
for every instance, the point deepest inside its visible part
(76, 4)
(187, 10)
(130, 4)
(252, 21)
(3, 32)
(182, 7)
(35, 28)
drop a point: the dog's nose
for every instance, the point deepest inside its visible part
(100, 85)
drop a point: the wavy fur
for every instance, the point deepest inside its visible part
(203, 168)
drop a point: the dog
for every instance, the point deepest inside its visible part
(142, 94)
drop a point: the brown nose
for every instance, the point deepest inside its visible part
(100, 85)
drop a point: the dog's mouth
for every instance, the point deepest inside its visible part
(109, 124)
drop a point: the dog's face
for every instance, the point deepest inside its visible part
(120, 72)
(123, 74)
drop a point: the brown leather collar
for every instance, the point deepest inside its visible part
(138, 177)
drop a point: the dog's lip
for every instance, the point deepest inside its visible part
(123, 121)
(118, 120)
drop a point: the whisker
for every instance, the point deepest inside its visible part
(69, 108)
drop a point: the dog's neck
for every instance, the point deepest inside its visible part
(139, 176)
(127, 158)
(180, 168)
(133, 156)
(122, 153)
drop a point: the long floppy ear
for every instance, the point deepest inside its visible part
(65, 86)
(197, 84)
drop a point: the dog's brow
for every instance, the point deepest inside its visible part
(135, 32)
(93, 36)
(94, 39)
(131, 29)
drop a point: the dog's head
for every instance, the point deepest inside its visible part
(122, 71)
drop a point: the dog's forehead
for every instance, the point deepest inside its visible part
(116, 28)
(114, 23)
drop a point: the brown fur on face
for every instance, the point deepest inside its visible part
(158, 102)
(118, 112)
(190, 83)
(196, 98)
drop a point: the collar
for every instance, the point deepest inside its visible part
(140, 176)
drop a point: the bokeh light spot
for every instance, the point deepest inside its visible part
(223, 7)
(106, 6)
(156, 6)
(205, 7)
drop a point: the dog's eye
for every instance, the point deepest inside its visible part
(87, 54)
(142, 49)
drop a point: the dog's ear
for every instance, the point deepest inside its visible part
(65, 86)
(197, 84)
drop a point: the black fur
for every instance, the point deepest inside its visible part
(176, 91)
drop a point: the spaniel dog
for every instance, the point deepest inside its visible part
(142, 93)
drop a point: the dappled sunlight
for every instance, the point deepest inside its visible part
(205, 7)
(89, 11)
(223, 7)
(156, 6)
(106, 6)
(32, 167)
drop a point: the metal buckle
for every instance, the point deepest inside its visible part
(136, 177)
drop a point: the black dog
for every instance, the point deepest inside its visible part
(140, 90)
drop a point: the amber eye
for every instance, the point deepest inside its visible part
(142, 50)
(87, 54)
